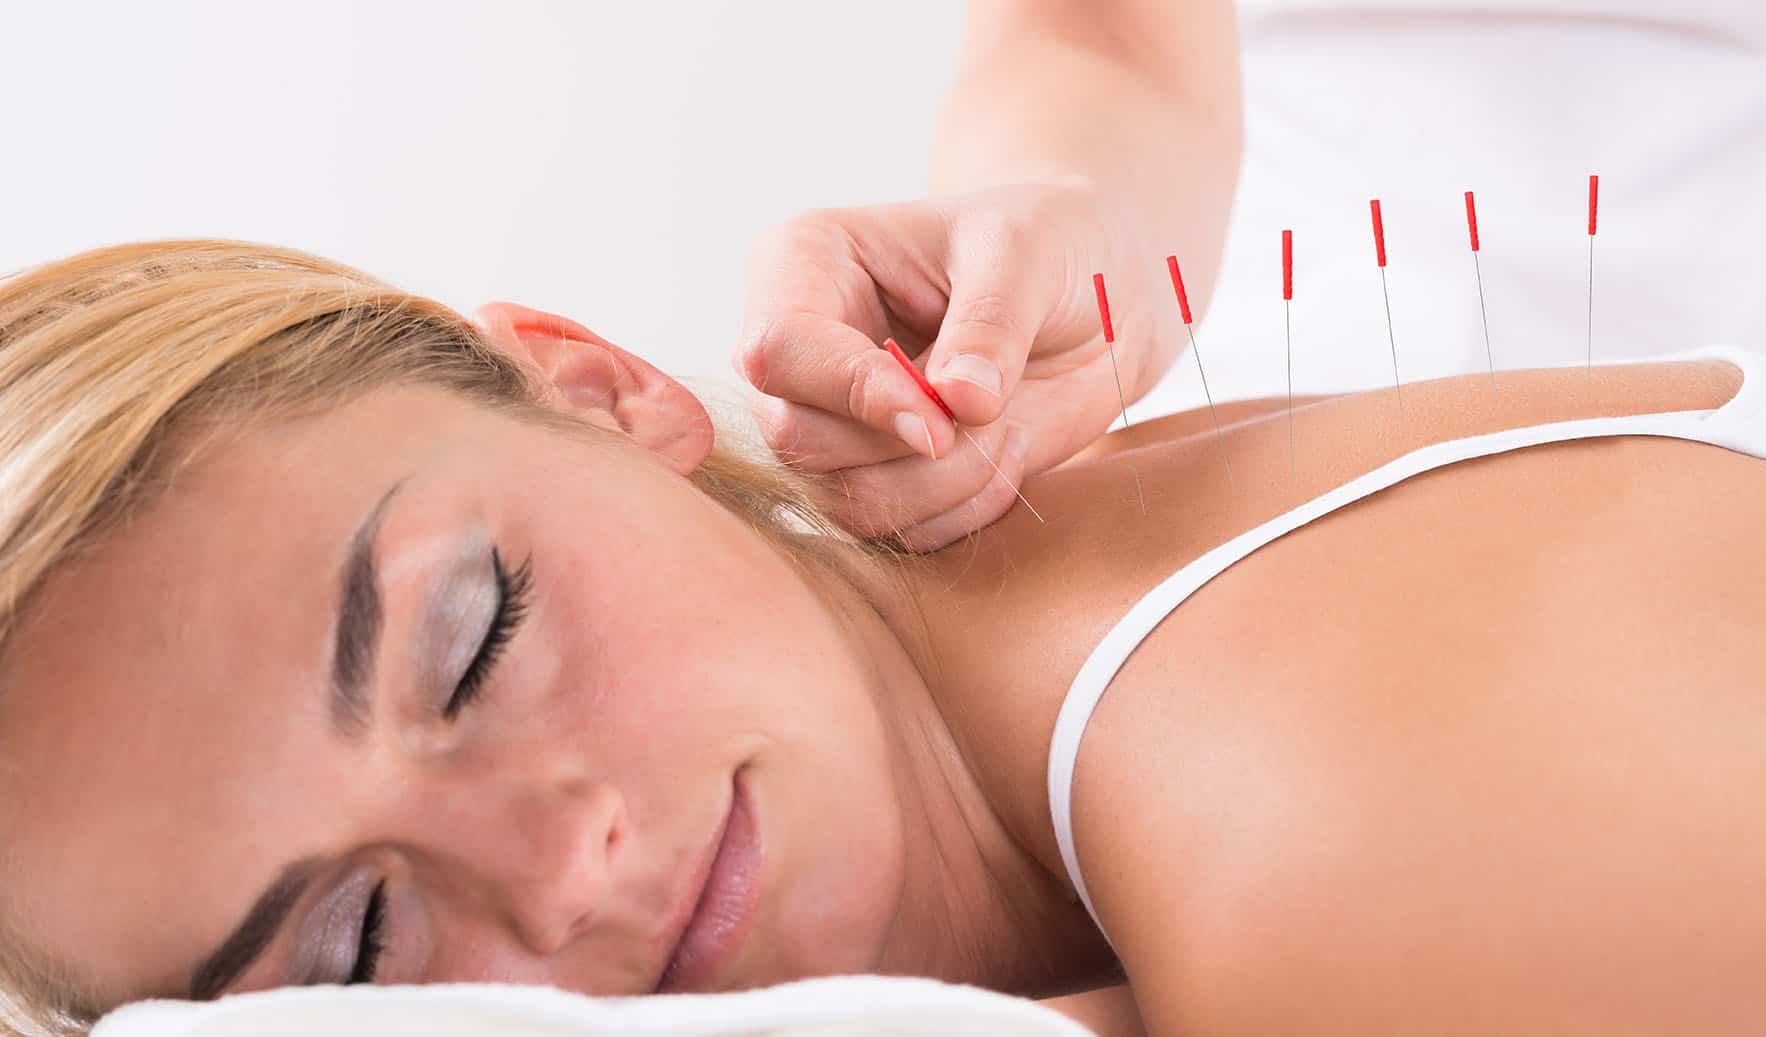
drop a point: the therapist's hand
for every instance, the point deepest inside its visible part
(992, 293)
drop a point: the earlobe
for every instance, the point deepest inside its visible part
(593, 377)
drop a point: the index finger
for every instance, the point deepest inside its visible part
(824, 363)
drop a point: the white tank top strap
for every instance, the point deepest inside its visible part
(1740, 424)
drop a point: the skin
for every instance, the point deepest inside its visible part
(1474, 755)
(1255, 833)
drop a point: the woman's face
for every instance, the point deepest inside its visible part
(416, 676)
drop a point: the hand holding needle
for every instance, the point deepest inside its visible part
(932, 394)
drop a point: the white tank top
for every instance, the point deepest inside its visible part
(1739, 425)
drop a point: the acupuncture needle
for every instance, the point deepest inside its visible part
(932, 394)
(1183, 307)
(1472, 228)
(1593, 205)
(1097, 283)
(1288, 334)
(1380, 256)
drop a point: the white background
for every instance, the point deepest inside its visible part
(614, 161)
(610, 161)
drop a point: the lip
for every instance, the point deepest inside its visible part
(718, 911)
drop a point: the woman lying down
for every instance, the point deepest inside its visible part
(348, 641)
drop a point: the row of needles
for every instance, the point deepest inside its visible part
(1183, 303)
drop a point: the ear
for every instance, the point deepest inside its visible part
(597, 380)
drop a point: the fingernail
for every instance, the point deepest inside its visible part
(1017, 442)
(912, 430)
(973, 368)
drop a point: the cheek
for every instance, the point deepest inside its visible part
(835, 849)
(691, 628)
(690, 649)
(773, 670)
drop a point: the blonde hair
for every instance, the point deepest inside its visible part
(106, 356)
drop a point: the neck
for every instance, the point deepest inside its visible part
(976, 906)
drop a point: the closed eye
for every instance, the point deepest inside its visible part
(373, 939)
(514, 590)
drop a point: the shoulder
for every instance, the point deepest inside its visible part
(1363, 775)
(1207, 816)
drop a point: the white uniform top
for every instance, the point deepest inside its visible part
(1738, 425)
(1417, 102)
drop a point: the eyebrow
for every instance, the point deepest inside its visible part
(247, 942)
(359, 619)
(356, 642)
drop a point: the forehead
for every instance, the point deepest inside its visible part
(153, 695)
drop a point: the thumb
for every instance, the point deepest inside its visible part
(982, 347)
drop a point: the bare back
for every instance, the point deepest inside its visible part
(1498, 726)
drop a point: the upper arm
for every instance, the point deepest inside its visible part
(1142, 32)
(1272, 853)
(1190, 47)
(1167, 862)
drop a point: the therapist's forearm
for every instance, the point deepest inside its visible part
(1140, 97)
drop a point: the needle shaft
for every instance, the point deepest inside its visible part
(1590, 305)
(1288, 339)
(1219, 439)
(1002, 474)
(1097, 281)
(1489, 357)
(1397, 384)
(1123, 400)
(1189, 325)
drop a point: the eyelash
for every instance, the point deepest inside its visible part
(373, 938)
(513, 592)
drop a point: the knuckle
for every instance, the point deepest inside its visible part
(753, 351)
(972, 515)
(1007, 234)
(790, 431)
(929, 537)
(805, 231)
(1016, 236)
(863, 386)
(1039, 208)
(977, 486)
(991, 310)
(779, 428)
(867, 509)
(986, 507)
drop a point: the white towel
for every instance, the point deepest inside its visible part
(844, 1006)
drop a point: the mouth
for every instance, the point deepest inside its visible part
(713, 924)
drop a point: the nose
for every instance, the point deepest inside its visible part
(551, 861)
